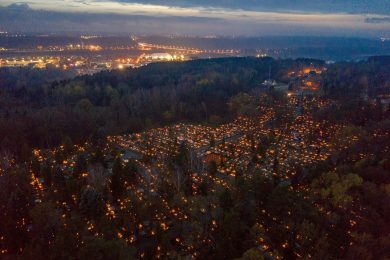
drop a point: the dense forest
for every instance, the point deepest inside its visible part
(76, 195)
(42, 115)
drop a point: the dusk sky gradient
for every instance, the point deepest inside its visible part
(222, 17)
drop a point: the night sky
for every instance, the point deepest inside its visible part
(201, 17)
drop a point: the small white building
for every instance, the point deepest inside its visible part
(160, 56)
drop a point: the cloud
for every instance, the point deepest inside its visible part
(100, 16)
(19, 7)
(295, 6)
(345, 6)
(21, 18)
(378, 19)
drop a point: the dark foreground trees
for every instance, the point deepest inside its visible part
(86, 202)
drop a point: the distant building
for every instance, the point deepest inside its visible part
(269, 83)
(383, 94)
(163, 57)
(159, 56)
(272, 84)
